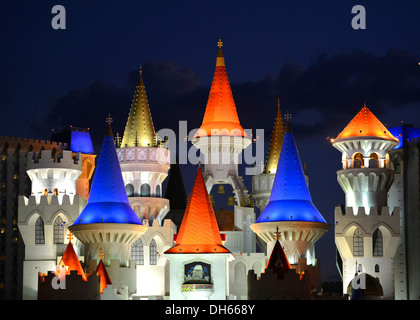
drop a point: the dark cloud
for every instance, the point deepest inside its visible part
(322, 97)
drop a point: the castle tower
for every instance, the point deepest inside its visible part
(263, 183)
(45, 215)
(108, 223)
(405, 161)
(144, 161)
(366, 230)
(199, 260)
(221, 140)
(292, 211)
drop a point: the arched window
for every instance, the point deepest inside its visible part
(39, 231)
(129, 189)
(137, 252)
(373, 161)
(153, 252)
(145, 190)
(357, 243)
(376, 268)
(378, 243)
(58, 230)
(158, 191)
(358, 161)
(55, 191)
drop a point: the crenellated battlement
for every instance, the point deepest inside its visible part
(25, 143)
(361, 212)
(51, 200)
(46, 159)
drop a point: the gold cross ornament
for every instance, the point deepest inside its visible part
(101, 254)
(70, 236)
(220, 44)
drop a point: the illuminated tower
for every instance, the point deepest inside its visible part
(144, 161)
(221, 140)
(108, 223)
(199, 260)
(367, 232)
(262, 183)
(45, 215)
(292, 211)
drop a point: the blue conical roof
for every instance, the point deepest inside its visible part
(108, 201)
(290, 199)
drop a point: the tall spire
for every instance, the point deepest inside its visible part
(275, 143)
(290, 198)
(139, 130)
(220, 117)
(199, 232)
(108, 201)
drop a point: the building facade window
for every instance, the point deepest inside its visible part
(58, 230)
(378, 244)
(137, 252)
(145, 190)
(153, 252)
(358, 243)
(39, 231)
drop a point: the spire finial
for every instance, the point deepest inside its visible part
(101, 254)
(277, 233)
(109, 119)
(141, 70)
(70, 237)
(220, 43)
(278, 102)
(288, 116)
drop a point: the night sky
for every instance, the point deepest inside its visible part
(305, 52)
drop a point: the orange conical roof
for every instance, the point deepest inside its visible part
(103, 276)
(220, 117)
(365, 124)
(199, 232)
(71, 261)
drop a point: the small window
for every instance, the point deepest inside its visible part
(137, 252)
(39, 231)
(378, 245)
(58, 230)
(358, 243)
(376, 268)
(153, 252)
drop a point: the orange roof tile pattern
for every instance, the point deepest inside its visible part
(365, 124)
(198, 232)
(71, 262)
(220, 117)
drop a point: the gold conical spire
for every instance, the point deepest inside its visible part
(139, 130)
(275, 143)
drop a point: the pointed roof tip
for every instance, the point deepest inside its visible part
(108, 129)
(276, 141)
(365, 124)
(288, 127)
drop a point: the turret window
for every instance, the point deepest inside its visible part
(39, 231)
(373, 161)
(145, 190)
(358, 161)
(378, 244)
(357, 243)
